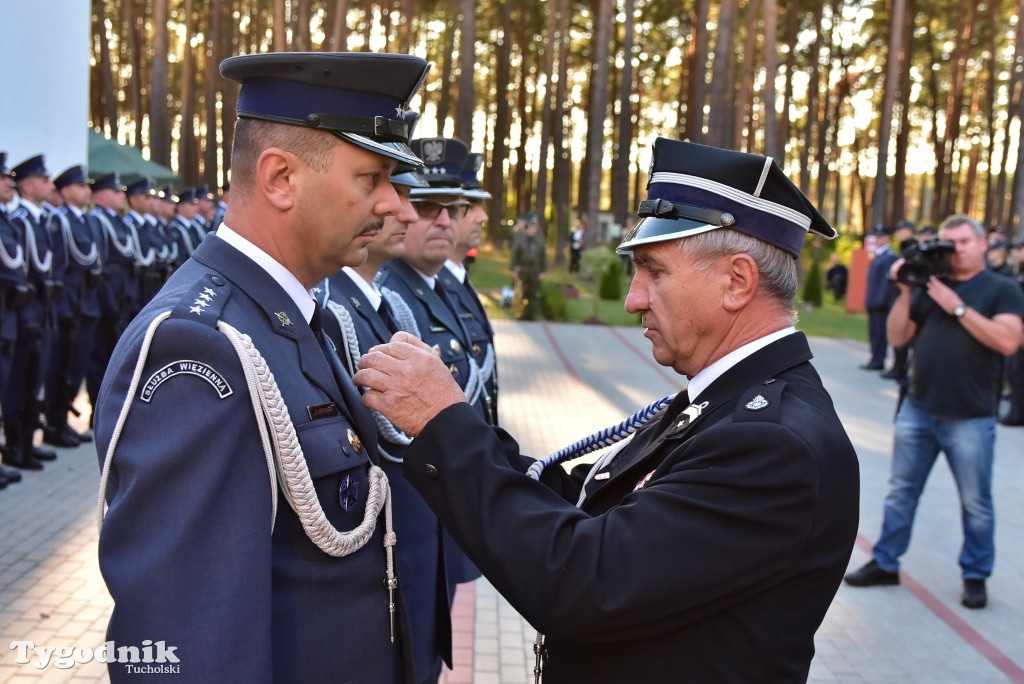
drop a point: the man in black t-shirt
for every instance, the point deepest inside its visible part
(965, 326)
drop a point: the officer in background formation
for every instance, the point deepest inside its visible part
(22, 408)
(206, 211)
(119, 293)
(181, 230)
(358, 315)
(222, 206)
(13, 295)
(78, 309)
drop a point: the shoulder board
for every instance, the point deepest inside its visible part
(761, 402)
(203, 300)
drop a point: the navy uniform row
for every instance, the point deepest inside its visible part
(72, 278)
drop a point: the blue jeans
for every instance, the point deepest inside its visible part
(969, 446)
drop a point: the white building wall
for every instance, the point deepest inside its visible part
(44, 82)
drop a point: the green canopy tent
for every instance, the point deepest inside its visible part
(107, 156)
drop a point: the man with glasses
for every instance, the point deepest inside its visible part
(429, 242)
(455, 277)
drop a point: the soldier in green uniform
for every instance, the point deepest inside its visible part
(529, 258)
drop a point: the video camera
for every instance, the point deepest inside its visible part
(923, 260)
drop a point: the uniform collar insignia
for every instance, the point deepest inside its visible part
(756, 404)
(283, 318)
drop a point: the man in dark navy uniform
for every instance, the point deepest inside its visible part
(358, 316)
(247, 525)
(222, 206)
(22, 407)
(13, 293)
(180, 230)
(708, 547)
(77, 307)
(429, 242)
(455, 277)
(146, 245)
(206, 210)
(879, 296)
(119, 284)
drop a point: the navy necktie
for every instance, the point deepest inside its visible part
(389, 318)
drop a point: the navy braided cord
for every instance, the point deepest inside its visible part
(602, 439)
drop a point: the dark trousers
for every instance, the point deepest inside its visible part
(876, 336)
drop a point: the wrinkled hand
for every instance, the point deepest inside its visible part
(943, 295)
(407, 382)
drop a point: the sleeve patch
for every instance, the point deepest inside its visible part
(186, 367)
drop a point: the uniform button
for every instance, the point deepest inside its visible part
(217, 280)
(769, 381)
(430, 471)
(353, 441)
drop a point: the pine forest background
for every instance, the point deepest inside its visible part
(878, 110)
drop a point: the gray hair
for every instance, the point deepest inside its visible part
(957, 220)
(775, 266)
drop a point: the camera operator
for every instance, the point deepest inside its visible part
(968, 323)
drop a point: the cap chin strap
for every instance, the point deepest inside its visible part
(660, 208)
(378, 128)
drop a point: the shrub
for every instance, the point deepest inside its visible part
(611, 280)
(813, 285)
(552, 302)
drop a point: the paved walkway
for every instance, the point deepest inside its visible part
(559, 383)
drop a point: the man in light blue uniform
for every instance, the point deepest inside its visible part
(247, 521)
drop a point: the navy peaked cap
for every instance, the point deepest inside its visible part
(226, 187)
(358, 96)
(443, 159)
(694, 188)
(474, 189)
(165, 193)
(3, 163)
(74, 174)
(187, 196)
(203, 192)
(33, 166)
(143, 186)
(111, 181)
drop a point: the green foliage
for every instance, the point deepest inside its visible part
(552, 301)
(594, 262)
(812, 285)
(611, 281)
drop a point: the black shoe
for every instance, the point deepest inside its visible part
(872, 575)
(10, 474)
(84, 437)
(974, 595)
(41, 454)
(872, 366)
(1011, 421)
(891, 374)
(62, 436)
(25, 463)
